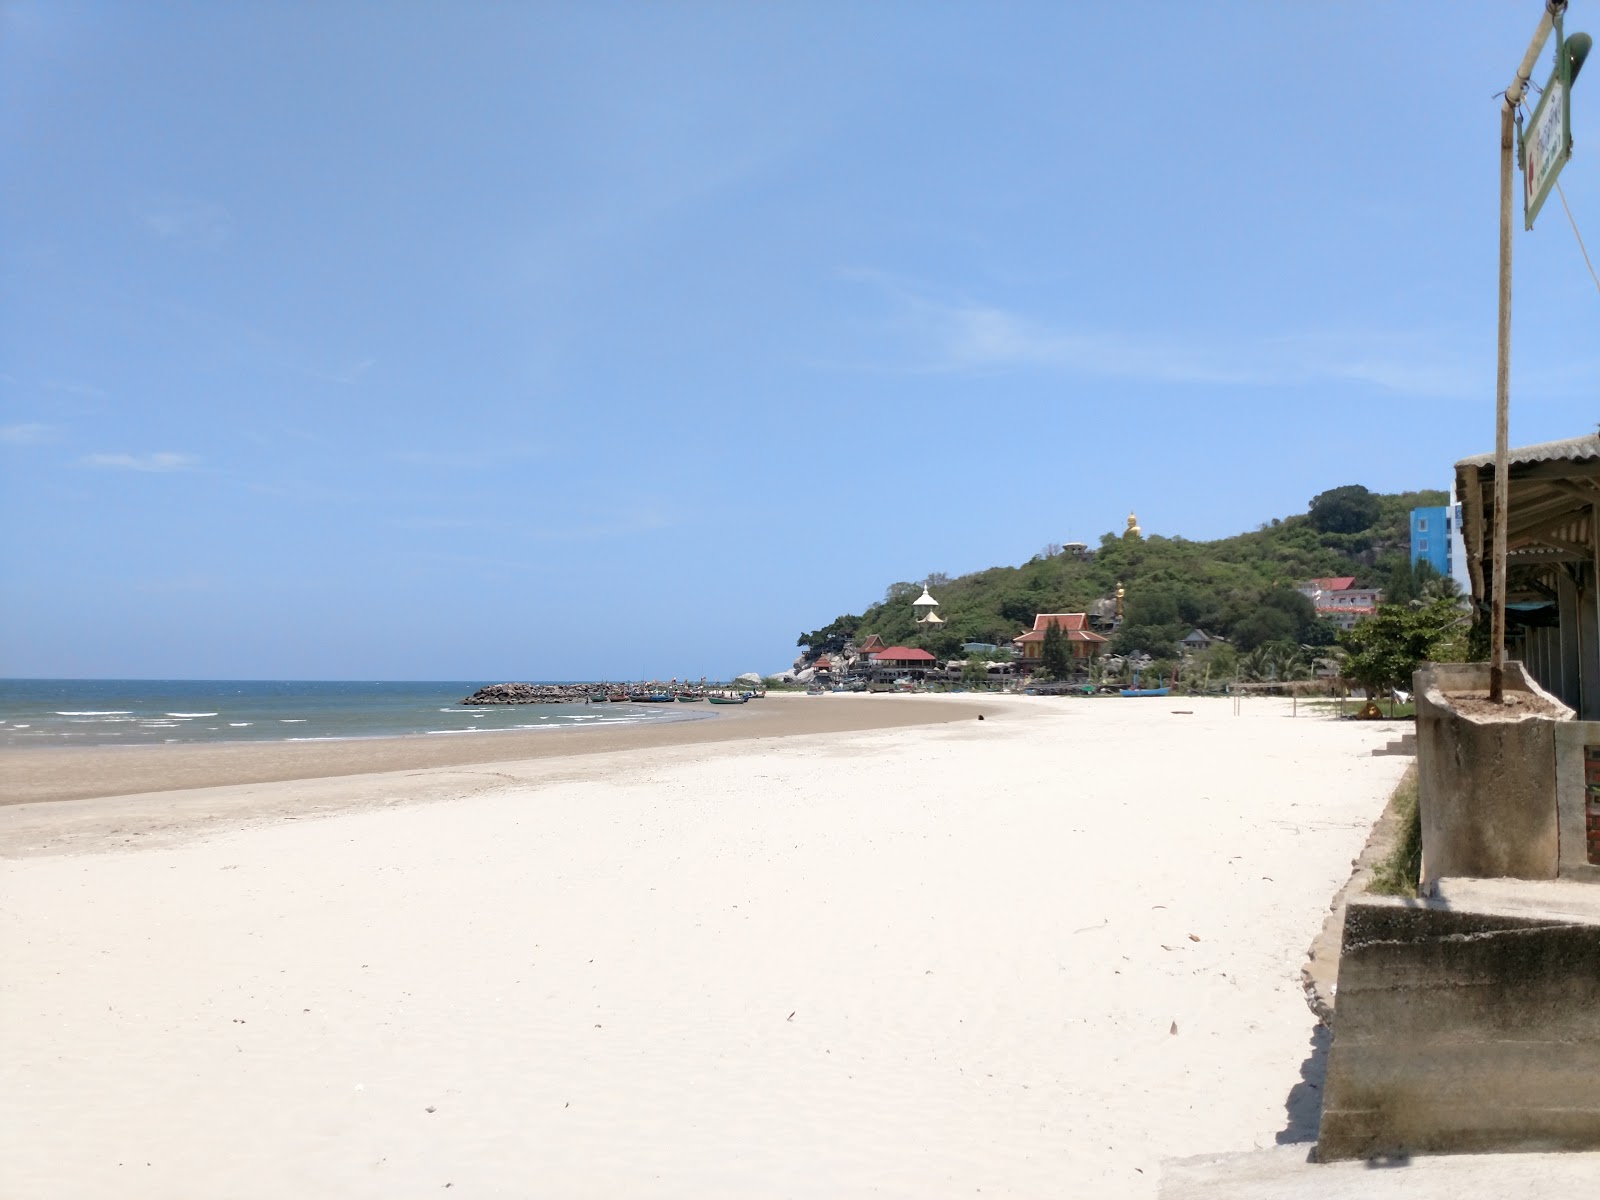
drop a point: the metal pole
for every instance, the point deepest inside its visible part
(1502, 408)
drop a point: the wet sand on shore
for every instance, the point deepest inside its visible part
(80, 773)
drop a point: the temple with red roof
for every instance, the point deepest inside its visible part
(1085, 643)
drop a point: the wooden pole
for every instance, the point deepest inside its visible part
(1502, 374)
(1502, 415)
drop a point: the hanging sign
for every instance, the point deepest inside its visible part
(1547, 143)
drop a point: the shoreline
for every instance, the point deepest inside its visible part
(61, 773)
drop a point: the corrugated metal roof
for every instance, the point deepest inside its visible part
(1575, 449)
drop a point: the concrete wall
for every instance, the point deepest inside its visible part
(1580, 849)
(1487, 787)
(1466, 1027)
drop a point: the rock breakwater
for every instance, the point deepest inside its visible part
(537, 693)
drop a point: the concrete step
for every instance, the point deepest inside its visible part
(1406, 743)
(1284, 1171)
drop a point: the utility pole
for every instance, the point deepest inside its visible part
(1553, 9)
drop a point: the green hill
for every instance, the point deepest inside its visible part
(1240, 587)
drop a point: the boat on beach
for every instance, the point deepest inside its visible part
(728, 699)
(1160, 691)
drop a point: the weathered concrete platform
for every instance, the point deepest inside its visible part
(1284, 1172)
(1467, 1023)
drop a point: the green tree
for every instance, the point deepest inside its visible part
(1348, 509)
(830, 639)
(943, 644)
(1255, 666)
(1262, 627)
(1019, 610)
(1385, 650)
(1056, 654)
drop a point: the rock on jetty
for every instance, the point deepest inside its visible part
(536, 693)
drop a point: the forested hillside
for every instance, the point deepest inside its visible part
(1239, 587)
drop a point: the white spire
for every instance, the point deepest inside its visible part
(925, 599)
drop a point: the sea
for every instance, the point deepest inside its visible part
(131, 712)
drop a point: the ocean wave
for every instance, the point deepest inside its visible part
(110, 712)
(239, 724)
(454, 731)
(186, 716)
(291, 720)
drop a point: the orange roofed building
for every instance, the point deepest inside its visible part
(1085, 643)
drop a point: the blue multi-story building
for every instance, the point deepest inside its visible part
(1432, 533)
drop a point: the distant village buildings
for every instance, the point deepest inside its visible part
(1436, 538)
(1199, 640)
(1431, 530)
(870, 661)
(1338, 599)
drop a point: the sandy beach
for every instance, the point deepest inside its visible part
(1032, 955)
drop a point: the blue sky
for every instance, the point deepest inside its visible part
(500, 341)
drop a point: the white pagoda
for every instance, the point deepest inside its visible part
(927, 609)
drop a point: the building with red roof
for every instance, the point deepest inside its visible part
(899, 662)
(903, 656)
(1085, 642)
(1337, 598)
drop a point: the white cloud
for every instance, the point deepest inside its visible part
(950, 336)
(27, 434)
(349, 375)
(430, 523)
(466, 460)
(187, 222)
(161, 460)
(625, 525)
(71, 387)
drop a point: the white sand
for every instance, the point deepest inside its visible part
(923, 962)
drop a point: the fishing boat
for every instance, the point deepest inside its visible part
(1160, 691)
(654, 698)
(617, 698)
(689, 697)
(728, 699)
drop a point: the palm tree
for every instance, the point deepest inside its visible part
(1290, 663)
(1255, 666)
